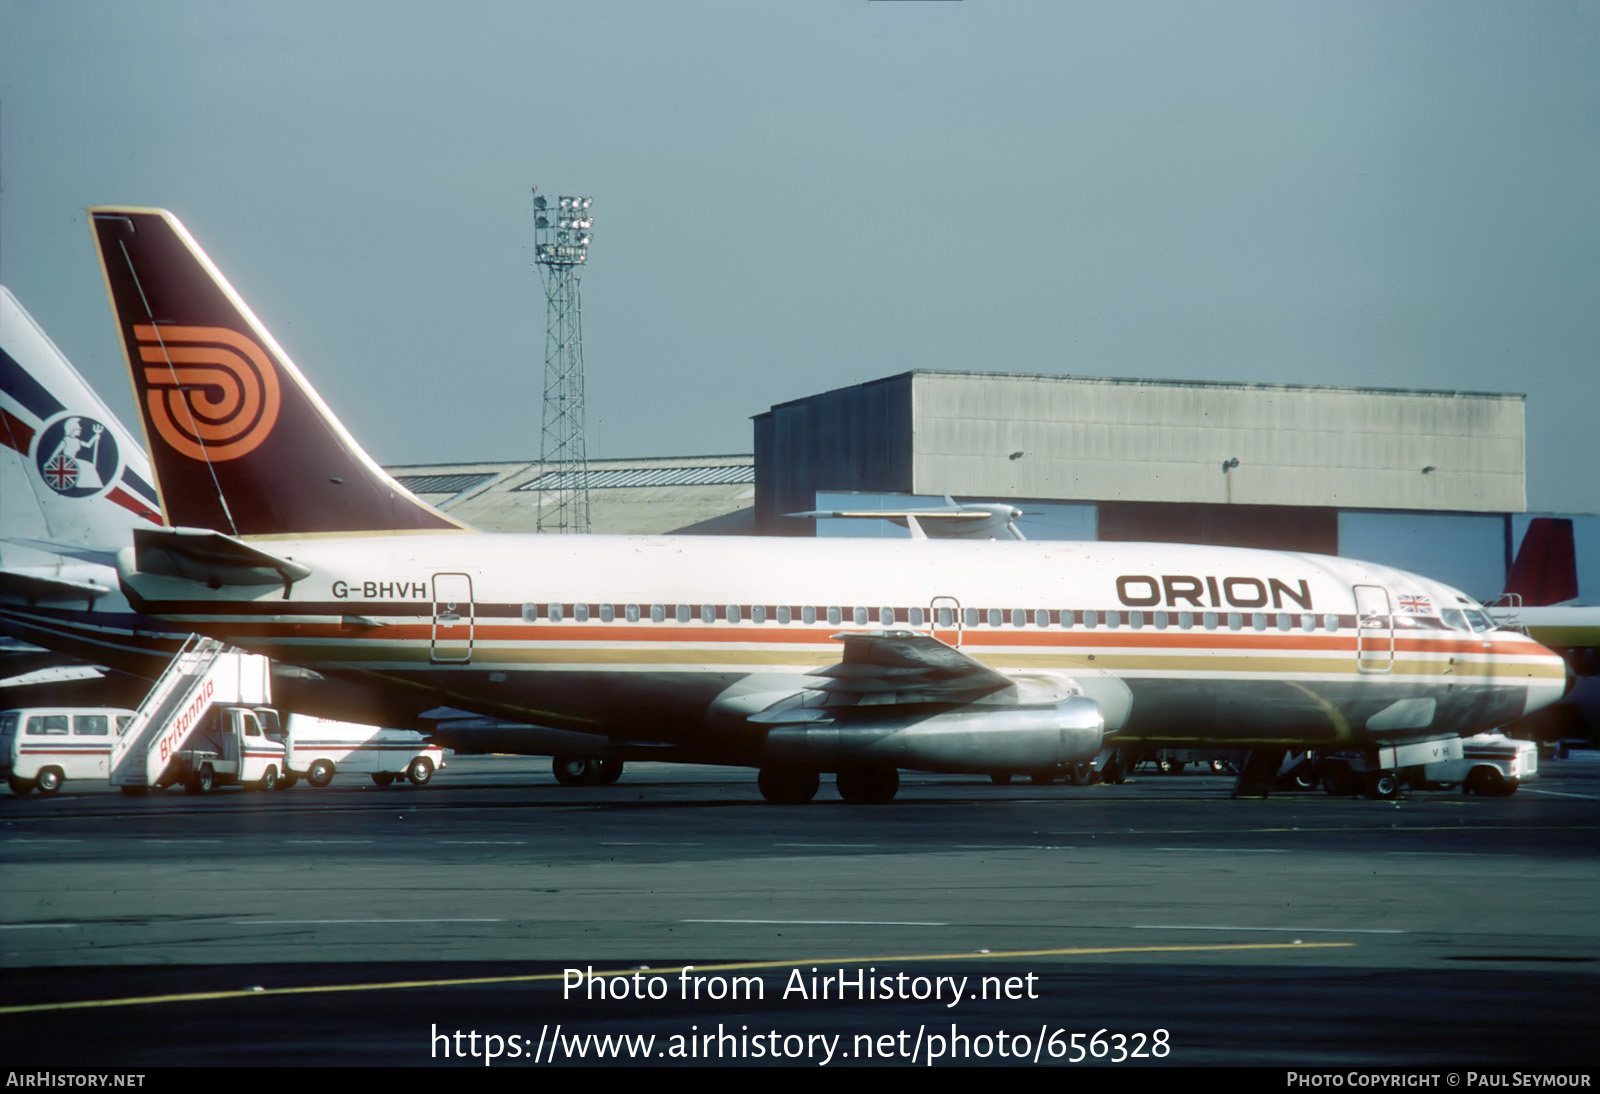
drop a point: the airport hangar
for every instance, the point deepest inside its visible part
(1429, 481)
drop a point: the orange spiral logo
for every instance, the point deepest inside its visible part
(211, 393)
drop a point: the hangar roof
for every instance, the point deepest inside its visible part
(701, 494)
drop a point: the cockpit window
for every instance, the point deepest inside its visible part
(1454, 619)
(1479, 621)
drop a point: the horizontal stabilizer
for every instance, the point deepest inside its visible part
(211, 558)
(40, 589)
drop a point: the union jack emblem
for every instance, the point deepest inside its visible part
(1416, 605)
(61, 473)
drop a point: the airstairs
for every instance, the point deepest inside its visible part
(205, 672)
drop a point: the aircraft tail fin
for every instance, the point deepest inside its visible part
(1545, 570)
(70, 474)
(240, 442)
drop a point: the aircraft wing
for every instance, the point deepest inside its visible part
(33, 588)
(890, 668)
(211, 558)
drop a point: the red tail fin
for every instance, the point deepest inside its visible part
(1546, 567)
(239, 441)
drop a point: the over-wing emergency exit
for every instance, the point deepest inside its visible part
(859, 657)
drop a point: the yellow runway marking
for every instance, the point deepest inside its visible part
(530, 978)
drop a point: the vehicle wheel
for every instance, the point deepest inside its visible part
(1486, 782)
(788, 785)
(269, 779)
(1042, 778)
(383, 778)
(320, 773)
(420, 772)
(135, 791)
(1001, 778)
(1219, 767)
(18, 786)
(201, 781)
(1164, 764)
(607, 772)
(288, 780)
(868, 785)
(572, 770)
(50, 780)
(1382, 785)
(1081, 774)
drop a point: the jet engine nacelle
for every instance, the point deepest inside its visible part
(957, 741)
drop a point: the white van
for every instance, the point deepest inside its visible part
(43, 747)
(319, 748)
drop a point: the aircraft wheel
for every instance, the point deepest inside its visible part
(269, 779)
(1081, 774)
(788, 785)
(320, 773)
(420, 772)
(1383, 785)
(383, 778)
(868, 785)
(607, 772)
(50, 780)
(1114, 772)
(1001, 778)
(573, 770)
(18, 786)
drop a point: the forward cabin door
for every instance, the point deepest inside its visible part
(452, 619)
(1374, 629)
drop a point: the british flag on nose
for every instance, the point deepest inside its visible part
(1415, 605)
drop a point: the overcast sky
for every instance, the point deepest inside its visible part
(795, 197)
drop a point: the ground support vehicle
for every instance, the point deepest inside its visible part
(42, 748)
(320, 748)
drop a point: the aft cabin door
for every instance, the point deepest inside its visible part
(452, 619)
(1374, 629)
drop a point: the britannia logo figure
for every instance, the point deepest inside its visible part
(76, 457)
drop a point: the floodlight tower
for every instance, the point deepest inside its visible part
(561, 248)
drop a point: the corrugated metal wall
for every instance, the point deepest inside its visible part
(1131, 440)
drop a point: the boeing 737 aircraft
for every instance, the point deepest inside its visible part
(796, 656)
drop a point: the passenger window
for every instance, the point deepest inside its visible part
(733, 613)
(1135, 620)
(1308, 623)
(1235, 621)
(971, 616)
(808, 614)
(49, 725)
(91, 725)
(554, 613)
(1161, 621)
(530, 613)
(683, 613)
(1258, 620)
(783, 613)
(758, 614)
(1066, 618)
(631, 611)
(995, 618)
(1186, 620)
(1210, 620)
(915, 617)
(947, 617)
(580, 613)
(1330, 623)
(860, 616)
(1019, 618)
(1090, 619)
(1283, 621)
(886, 617)
(1113, 619)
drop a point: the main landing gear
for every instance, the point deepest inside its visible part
(870, 785)
(585, 771)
